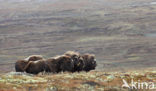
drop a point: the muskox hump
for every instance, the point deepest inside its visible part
(34, 58)
(72, 54)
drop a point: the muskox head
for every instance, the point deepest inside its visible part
(78, 60)
(90, 62)
(34, 58)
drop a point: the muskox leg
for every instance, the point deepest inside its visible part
(43, 72)
(51, 70)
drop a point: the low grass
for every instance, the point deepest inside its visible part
(91, 81)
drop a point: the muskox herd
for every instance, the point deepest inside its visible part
(70, 61)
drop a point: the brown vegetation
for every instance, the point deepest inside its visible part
(82, 81)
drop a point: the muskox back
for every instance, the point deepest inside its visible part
(20, 64)
(72, 53)
(59, 63)
(34, 58)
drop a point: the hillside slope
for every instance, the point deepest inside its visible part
(121, 33)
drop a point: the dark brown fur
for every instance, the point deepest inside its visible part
(78, 60)
(71, 61)
(52, 65)
(65, 63)
(60, 63)
(34, 67)
(90, 63)
(20, 64)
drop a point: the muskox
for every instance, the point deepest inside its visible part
(78, 60)
(34, 58)
(65, 63)
(35, 67)
(51, 65)
(59, 63)
(20, 64)
(90, 62)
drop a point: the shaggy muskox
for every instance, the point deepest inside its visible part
(78, 60)
(34, 58)
(35, 67)
(20, 64)
(59, 63)
(65, 63)
(52, 65)
(90, 62)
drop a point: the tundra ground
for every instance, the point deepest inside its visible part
(91, 81)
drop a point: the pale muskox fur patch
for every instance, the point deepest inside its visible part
(34, 58)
